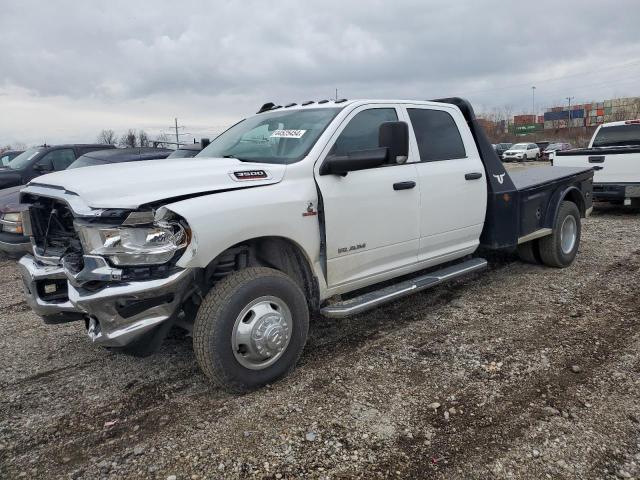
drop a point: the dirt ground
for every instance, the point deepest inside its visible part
(521, 372)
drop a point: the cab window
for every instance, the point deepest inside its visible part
(58, 159)
(362, 131)
(437, 135)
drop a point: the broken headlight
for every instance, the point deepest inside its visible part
(153, 244)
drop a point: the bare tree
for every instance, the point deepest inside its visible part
(162, 141)
(129, 139)
(143, 138)
(108, 137)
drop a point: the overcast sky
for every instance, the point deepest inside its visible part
(69, 68)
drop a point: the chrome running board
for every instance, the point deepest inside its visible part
(374, 299)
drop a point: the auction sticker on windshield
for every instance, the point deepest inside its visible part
(288, 133)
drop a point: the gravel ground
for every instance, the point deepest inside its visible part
(521, 372)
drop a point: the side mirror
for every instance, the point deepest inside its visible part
(394, 136)
(359, 160)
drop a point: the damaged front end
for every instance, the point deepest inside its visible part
(116, 269)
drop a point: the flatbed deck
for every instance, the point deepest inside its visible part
(542, 175)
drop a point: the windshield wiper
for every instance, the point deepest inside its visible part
(239, 159)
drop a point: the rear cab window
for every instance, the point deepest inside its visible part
(618, 135)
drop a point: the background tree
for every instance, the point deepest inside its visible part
(108, 137)
(129, 139)
(162, 141)
(143, 139)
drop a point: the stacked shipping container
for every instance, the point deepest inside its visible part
(591, 114)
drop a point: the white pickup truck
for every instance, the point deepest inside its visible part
(291, 211)
(614, 154)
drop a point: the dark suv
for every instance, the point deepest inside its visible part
(37, 161)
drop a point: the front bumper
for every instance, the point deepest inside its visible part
(615, 191)
(14, 243)
(117, 314)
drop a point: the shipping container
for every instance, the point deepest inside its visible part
(524, 119)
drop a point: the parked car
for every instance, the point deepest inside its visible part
(279, 214)
(555, 147)
(7, 156)
(543, 145)
(12, 238)
(501, 148)
(189, 150)
(521, 152)
(614, 154)
(36, 161)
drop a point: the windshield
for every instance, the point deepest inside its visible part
(618, 135)
(23, 160)
(278, 137)
(519, 146)
(183, 153)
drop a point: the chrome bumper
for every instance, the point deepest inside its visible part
(36, 276)
(117, 314)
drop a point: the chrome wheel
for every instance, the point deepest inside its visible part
(568, 234)
(261, 332)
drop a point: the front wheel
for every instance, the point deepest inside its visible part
(250, 329)
(561, 247)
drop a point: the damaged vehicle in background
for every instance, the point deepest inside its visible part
(297, 209)
(12, 238)
(555, 147)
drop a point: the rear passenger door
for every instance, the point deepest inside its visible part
(453, 191)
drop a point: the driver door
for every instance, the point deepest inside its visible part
(372, 217)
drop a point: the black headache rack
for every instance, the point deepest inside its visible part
(501, 226)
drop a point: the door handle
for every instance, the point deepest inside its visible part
(599, 159)
(404, 185)
(472, 176)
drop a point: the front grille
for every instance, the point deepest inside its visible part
(52, 228)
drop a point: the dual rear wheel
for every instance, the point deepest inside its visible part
(561, 247)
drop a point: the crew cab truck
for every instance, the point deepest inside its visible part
(291, 211)
(614, 154)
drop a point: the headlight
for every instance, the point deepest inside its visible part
(11, 222)
(144, 245)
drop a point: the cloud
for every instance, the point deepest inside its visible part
(210, 62)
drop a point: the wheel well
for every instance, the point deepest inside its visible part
(274, 252)
(576, 197)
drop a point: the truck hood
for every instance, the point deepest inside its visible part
(132, 184)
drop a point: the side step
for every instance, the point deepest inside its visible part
(374, 299)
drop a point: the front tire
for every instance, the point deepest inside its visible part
(561, 247)
(250, 329)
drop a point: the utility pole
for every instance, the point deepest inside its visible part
(177, 134)
(336, 94)
(569, 100)
(533, 99)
